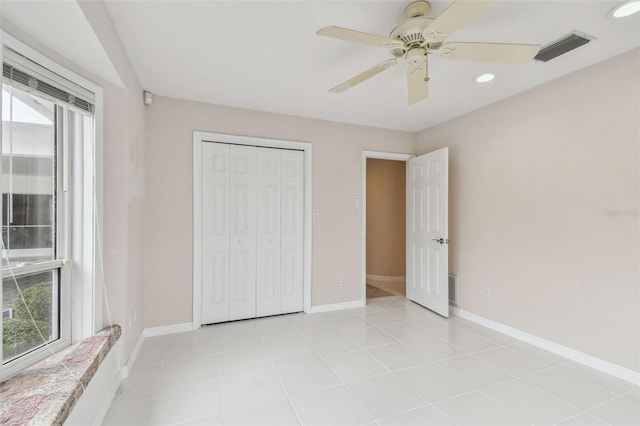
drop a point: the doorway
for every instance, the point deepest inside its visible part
(425, 228)
(384, 224)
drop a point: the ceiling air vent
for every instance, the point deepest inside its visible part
(563, 45)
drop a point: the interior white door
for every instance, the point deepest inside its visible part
(269, 231)
(292, 298)
(242, 237)
(427, 231)
(215, 233)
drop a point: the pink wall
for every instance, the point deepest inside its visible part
(337, 179)
(124, 187)
(531, 181)
(123, 163)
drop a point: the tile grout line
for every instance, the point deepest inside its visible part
(579, 413)
(346, 386)
(562, 399)
(428, 403)
(600, 405)
(512, 377)
(479, 390)
(587, 414)
(342, 383)
(464, 381)
(293, 407)
(630, 391)
(575, 376)
(219, 386)
(501, 404)
(550, 367)
(389, 371)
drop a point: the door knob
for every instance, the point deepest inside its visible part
(441, 240)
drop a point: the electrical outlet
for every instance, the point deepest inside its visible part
(356, 214)
(486, 293)
(316, 213)
(342, 281)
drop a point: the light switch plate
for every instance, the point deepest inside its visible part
(316, 213)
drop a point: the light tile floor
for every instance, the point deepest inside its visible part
(398, 288)
(390, 363)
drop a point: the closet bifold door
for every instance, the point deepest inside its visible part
(215, 233)
(269, 231)
(242, 232)
(292, 285)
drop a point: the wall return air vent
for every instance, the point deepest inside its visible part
(563, 45)
(453, 290)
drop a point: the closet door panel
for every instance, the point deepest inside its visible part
(242, 238)
(268, 231)
(215, 229)
(292, 231)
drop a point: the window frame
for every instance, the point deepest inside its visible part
(81, 287)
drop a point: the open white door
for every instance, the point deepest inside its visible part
(427, 229)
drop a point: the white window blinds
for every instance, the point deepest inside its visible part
(31, 77)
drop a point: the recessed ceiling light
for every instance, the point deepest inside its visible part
(625, 9)
(485, 78)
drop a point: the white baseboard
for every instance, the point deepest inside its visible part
(168, 329)
(126, 370)
(386, 278)
(94, 403)
(107, 400)
(336, 306)
(572, 354)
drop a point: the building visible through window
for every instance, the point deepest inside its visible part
(28, 218)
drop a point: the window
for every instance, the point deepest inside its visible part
(48, 212)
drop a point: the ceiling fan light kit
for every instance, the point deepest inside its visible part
(625, 9)
(419, 36)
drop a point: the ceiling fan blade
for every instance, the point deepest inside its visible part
(363, 76)
(358, 37)
(418, 84)
(455, 17)
(490, 52)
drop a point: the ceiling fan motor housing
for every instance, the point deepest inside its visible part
(417, 8)
(411, 30)
(416, 58)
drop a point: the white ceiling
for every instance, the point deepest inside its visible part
(265, 55)
(62, 27)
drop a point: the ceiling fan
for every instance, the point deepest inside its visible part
(419, 36)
